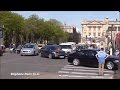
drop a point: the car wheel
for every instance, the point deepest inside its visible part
(110, 65)
(50, 56)
(37, 54)
(21, 55)
(34, 53)
(41, 55)
(76, 62)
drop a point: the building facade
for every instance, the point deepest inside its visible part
(100, 31)
(68, 29)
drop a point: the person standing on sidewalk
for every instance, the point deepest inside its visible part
(101, 56)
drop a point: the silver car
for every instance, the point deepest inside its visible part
(30, 49)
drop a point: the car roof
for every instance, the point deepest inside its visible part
(65, 44)
(30, 44)
(90, 50)
(52, 45)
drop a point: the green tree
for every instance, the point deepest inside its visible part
(13, 24)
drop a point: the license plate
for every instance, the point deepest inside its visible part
(61, 56)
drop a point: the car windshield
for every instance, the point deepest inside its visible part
(81, 47)
(19, 46)
(28, 46)
(54, 47)
(39, 45)
(65, 46)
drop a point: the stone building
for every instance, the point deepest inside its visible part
(100, 31)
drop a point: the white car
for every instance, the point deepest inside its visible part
(67, 47)
(30, 49)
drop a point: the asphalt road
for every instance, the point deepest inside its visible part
(14, 66)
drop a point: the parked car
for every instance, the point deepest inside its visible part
(87, 57)
(3, 48)
(1, 51)
(30, 49)
(12, 48)
(52, 51)
(40, 46)
(68, 48)
(18, 49)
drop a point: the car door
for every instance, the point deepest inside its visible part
(43, 49)
(92, 58)
(47, 51)
(82, 56)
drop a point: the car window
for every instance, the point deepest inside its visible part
(28, 46)
(53, 47)
(44, 47)
(66, 46)
(81, 53)
(92, 53)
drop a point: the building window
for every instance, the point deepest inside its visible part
(118, 28)
(99, 27)
(94, 34)
(98, 34)
(94, 28)
(103, 34)
(114, 34)
(89, 28)
(89, 34)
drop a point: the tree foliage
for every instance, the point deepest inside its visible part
(19, 30)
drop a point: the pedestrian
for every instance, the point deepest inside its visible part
(101, 56)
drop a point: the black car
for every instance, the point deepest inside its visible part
(87, 57)
(52, 51)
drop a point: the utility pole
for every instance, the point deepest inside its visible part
(111, 48)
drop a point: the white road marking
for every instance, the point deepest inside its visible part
(79, 67)
(85, 70)
(81, 73)
(71, 71)
(88, 77)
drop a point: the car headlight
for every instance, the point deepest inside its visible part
(54, 52)
(116, 61)
(29, 51)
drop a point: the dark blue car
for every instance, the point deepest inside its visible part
(52, 51)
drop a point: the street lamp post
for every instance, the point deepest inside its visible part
(111, 48)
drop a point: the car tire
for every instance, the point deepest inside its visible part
(76, 62)
(21, 55)
(34, 53)
(37, 54)
(110, 65)
(41, 55)
(50, 56)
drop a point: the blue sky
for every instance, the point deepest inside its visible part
(72, 17)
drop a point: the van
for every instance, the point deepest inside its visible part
(67, 47)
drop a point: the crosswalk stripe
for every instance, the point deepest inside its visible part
(80, 67)
(80, 73)
(88, 77)
(85, 70)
